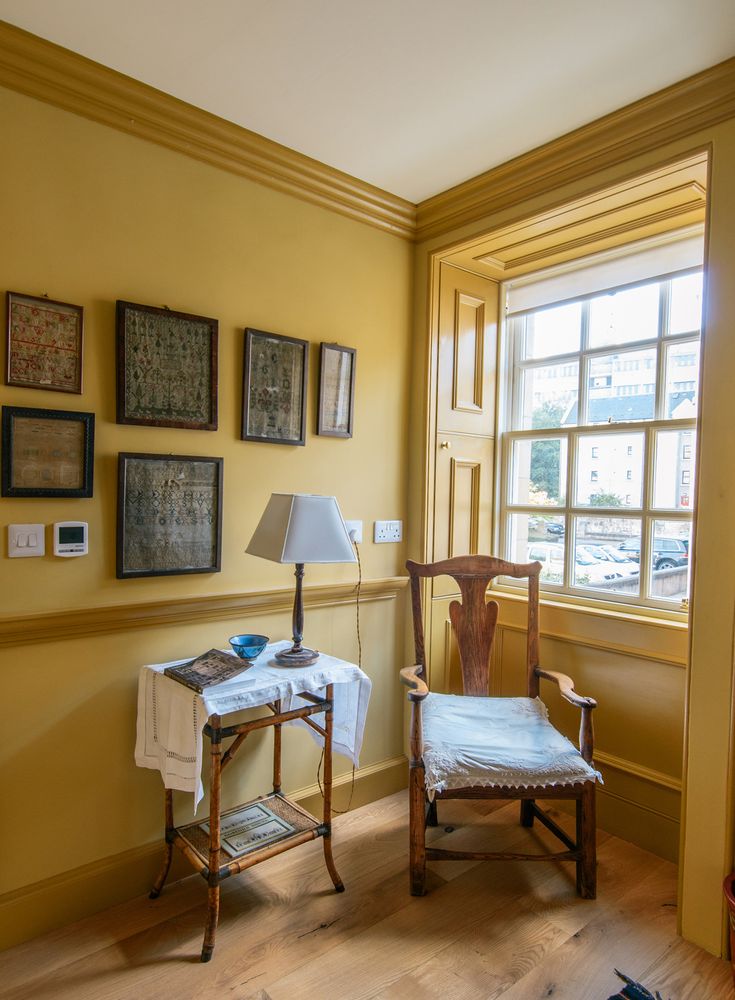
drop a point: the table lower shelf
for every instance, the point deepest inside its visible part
(193, 841)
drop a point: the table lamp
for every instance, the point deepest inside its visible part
(301, 528)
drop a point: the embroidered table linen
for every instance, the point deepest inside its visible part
(496, 742)
(171, 717)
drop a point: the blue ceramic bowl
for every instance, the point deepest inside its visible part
(248, 647)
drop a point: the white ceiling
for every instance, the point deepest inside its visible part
(411, 95)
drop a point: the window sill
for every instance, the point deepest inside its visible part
(676, 620)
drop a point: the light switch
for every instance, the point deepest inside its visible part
(25, 540)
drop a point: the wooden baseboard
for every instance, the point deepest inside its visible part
(43, 906)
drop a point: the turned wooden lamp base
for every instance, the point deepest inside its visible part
(297, 656)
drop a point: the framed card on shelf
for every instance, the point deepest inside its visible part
(47, 453)
(336, 390)
(169, 515)
(44, 343)
(166, 368)
(274, 388)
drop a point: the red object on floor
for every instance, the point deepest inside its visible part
(728, 887)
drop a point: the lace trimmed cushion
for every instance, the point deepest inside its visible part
(496, 742)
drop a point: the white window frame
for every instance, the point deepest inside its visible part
(513, 365)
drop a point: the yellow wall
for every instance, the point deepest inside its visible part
(90, 215)
(643, 688)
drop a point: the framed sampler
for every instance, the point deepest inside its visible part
(44, 343)
(274, 388)
(166, 368)
(169, 515)
(336, 391)
(47, 453)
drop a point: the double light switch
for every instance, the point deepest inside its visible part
(26, 540)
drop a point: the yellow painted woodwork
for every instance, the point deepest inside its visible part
(702, 697)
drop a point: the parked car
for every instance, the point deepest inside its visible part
(667, 552)
(586, 570)
(554, 528)
(606, 553)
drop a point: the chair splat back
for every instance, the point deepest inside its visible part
(474, 619)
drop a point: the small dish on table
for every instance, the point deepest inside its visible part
(247, 646)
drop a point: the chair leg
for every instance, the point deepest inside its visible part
(417, 839)
(586, 841)
(432, 818)
(527, 812)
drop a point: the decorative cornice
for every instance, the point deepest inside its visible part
(674, 113)
(55, 626)
(50, 73)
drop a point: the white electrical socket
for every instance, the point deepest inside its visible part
(354, 530)
(388, 531)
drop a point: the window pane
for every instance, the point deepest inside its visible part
(682, 380)
(539, 538)
(539, 470)
(622, 387)
(610, 470)
(670, 560)
(622, 317)
(553, 331)
(548, 395)
(686, 304)
(599, 561)
(673, 479)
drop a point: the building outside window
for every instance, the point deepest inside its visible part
(596, 456)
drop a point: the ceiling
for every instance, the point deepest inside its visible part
(413, 96)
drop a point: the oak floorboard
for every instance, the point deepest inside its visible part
(484, 930)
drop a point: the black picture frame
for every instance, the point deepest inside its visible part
(166, 368)
(336, 410)
(275, 379)
(44, 455)
(169, 514)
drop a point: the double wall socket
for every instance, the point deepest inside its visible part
(388, 531)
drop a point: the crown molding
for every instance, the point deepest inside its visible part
(676, 112)
(77, 623)
(50, 73)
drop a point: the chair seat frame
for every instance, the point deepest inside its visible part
(474, 621)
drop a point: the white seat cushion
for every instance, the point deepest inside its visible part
(496, 742)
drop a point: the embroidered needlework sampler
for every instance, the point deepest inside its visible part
(169, 515)
(44, 344)
(167, 368)
(274, 394)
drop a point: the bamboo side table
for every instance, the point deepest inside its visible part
(204, 852)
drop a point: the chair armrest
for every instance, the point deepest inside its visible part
(566, 688)
(409, 677)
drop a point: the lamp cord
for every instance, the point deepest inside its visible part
(341, 812)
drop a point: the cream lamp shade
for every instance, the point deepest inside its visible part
(301, 528)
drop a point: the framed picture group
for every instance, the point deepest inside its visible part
(169, 507)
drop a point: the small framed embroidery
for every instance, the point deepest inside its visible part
(44, 343)
(274, 388)
(166, 368)
(169, 515)
(47, 453)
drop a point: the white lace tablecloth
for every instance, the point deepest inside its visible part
(171, 717)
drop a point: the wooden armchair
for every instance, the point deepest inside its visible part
(474, 746)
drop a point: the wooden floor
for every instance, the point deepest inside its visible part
(484, 930)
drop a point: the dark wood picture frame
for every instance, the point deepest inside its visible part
(45, 343)
(275, 380)
(41, 460)
(159, 518)
(166, 368)
(335, 413)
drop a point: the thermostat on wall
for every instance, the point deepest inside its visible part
(71, 538)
